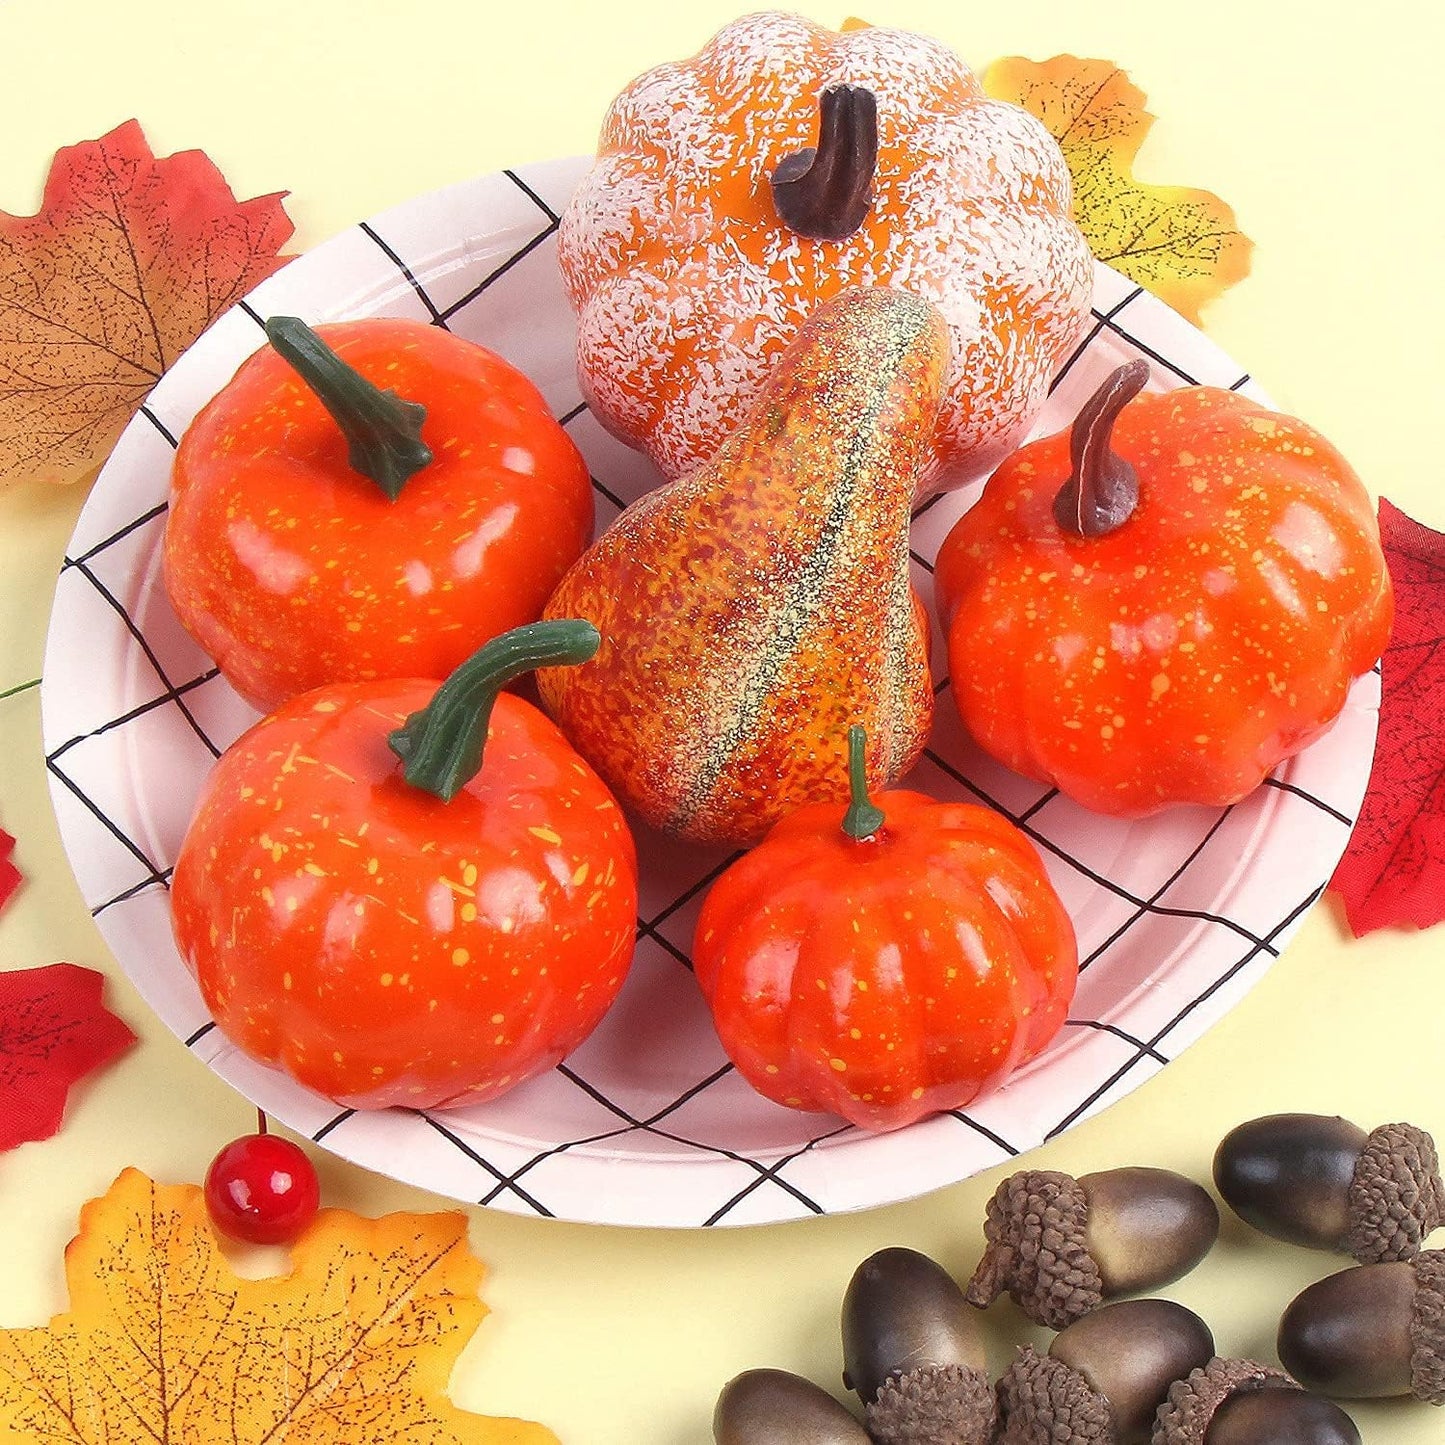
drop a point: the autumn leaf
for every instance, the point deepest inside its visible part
(9, 873)
(1393, 870)
(54, 1029)
(165, 1341)
(127, 261)
(1181, 244)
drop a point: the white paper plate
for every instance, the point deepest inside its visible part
(647, 1124)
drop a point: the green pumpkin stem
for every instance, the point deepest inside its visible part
(1103, 488)
(441, 745)
(382, 430)
(824, 191)
(863, 819)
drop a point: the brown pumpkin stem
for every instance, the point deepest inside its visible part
(824, 191)
(1103, 489)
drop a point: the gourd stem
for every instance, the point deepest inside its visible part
(863, 819)
(824, 191)
(441, 745)
(1103, 488)
(382, 430)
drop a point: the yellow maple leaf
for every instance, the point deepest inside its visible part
(164, 1341)
(1179, 243)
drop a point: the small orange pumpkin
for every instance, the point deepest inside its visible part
(783, 164)
(1164, 602)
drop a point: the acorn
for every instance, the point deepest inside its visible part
(1241, 1402)
(913, 1353)
(1061, 1246)
(1105, 1376)
(1325, 1183)
(774, 1407)
(1371, 1331)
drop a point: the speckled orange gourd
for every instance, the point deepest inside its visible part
(754, 609)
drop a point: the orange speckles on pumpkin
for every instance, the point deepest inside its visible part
(1244, 597)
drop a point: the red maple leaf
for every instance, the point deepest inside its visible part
(53, 1030)
(1394, 868)
(127, 261)
(9, 873)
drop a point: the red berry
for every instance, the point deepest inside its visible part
(263, 1189)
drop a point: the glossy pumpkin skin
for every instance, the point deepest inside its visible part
(753, 610)
(292, 570)
(1183, 656)
(891, 977)
(688, 285)
(385, 948)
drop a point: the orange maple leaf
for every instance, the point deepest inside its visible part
(1181, 244)
(127, 261)
(164, 1341)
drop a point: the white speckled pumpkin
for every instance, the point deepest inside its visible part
(896, 171)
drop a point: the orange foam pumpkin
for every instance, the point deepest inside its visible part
(785, 162)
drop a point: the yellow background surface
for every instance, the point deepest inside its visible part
(1320, 125)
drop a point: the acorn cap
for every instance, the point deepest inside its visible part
(1035, 1228)
(1184, 1416)
(936, 1405)
(1427, 1328)
(1042, 1400)
(1396, 1197)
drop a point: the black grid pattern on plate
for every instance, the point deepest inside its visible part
(171, 693)
(1148, 1048)
(768, 1172)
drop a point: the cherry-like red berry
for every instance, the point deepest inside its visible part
(263, 1189)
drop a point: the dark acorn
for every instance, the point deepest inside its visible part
(1240, 1402)
(1104, 1377)
(1117, 1232)
(1281, 1417)
(1323, 1182)
(912, 1351)
(773, 1407)
(1371, 1331)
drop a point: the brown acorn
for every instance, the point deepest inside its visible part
(912, 1351)
(774, 1407)
(1323, 1182)
(1371, 1331)
(1240, 1402)
(1104, 1377)
(1060, 1246)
